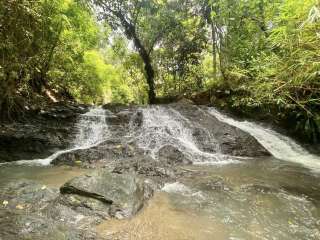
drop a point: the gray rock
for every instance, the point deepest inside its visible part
(27, 196)
(145, 166)
(17, 226)
(28, 211)
(40, 133)
(114, 194)
(172, 155)
(232, 141)
(111, 149)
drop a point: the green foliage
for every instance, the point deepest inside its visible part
(180, 52)
(271, 50)
(266, 50)
(53, 46)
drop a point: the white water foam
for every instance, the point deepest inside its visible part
(182, 189)
(279, 146)
(176, 187)
(93, 130)
(163, 126)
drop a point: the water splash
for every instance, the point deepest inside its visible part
(279, 146)
(92, 130)
(164, 126)
(176, 187)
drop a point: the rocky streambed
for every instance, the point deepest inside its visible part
(162, 172)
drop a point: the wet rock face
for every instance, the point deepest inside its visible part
(147, 167)
(31, 141)
(112, 149)
(52, 129)
(231, 140)
(40, 133)
(139, 131)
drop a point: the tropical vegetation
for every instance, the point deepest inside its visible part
(263, 54)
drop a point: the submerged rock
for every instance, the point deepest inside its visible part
(17, 226)
(24, 214)
(27, 196)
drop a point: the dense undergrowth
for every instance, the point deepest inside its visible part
(273, 66)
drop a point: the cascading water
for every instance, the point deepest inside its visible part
(166, 127)
(278, 145)
(92, 130)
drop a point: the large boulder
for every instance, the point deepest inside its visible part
(113, 194)
(29, 210)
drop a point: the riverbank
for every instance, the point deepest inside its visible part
(289, 119)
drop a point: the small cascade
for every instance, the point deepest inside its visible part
(163, 126)
(278, 145)
(92, 130)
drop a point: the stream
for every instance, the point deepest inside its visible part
(221, 195)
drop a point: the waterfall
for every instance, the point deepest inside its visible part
(279, 146)
(92, 130)
(164, 126)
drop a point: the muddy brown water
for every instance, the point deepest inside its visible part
(265, 199)
(50, 176)
(257, 199)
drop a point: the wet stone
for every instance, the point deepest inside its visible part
(27, 196)
(24, 214)
(172, 155)
(121, 195)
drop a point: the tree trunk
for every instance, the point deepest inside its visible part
(130, 31)
(208, 10)
(214, 52)
(147, 67)
(150, 80)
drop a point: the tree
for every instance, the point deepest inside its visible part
(30, 33)
(50, 50)
(180, 52)
(134, 17)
